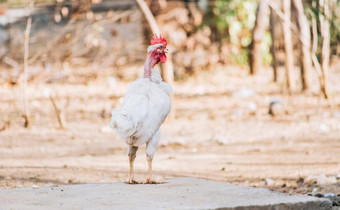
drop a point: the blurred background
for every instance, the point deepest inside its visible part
(256, 90)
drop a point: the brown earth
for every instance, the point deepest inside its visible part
(216, 132)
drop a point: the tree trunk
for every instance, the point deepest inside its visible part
(305, 40)
(325, 48)
(315, 60)
(275, 35)
(316, 63)
(287, 35)
(149, 16)
(26, 114)
(257, 36)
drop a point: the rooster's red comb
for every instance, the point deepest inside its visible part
(158, 40)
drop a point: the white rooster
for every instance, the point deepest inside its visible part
(145, 107)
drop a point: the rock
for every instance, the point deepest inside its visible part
(112, 81)
(243, 93)
(47, 92)
(269, 182)
(291, 184)
(238, 113)
(329, 195)
(320, 179)
(335, 199)
(324, 128)
(223, 140)
(276, 107)
(251, 107)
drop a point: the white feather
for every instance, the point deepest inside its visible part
(156, 77)
(145, 107)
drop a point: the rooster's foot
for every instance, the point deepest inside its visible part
(150, 181)
(132, 181)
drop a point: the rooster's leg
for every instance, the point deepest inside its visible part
(132, 156)
(148, 179)
(150, 151)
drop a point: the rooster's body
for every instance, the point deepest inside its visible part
(145, 107)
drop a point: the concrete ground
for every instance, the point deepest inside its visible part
(178, 193)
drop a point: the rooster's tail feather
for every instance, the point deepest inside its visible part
(121, 121)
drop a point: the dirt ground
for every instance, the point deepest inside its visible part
(220, 129)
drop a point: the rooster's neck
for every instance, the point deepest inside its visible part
(149, 64)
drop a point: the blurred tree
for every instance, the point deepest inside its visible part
(257, 37)
(325, 45)
(320, 12)
(233, 21)
(276, 36)
(316, 9)
(305, 40)
(287, 36)
(26, 114)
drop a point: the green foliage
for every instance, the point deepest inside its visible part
(265, 48)
(312, 11)
(233, 21)
(335, 22)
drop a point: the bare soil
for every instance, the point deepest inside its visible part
(215, 132)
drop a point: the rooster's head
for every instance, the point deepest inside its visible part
(157, 49)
